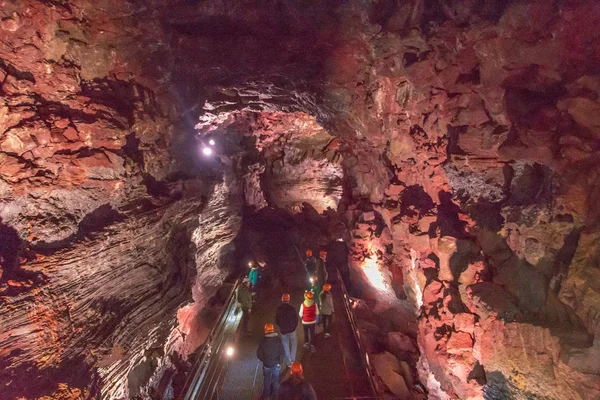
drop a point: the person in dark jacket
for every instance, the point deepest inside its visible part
(244, 298)
(295, 387)
(320, 276)
(287, 320)
(321, 268)
(310, 263)
(264, 278)
(270, 351)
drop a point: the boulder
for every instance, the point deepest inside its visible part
(400, 344)
(585, 112)
(388, 369)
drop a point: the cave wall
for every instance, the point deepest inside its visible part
(466, 131)
(476, 169)
(112, 236)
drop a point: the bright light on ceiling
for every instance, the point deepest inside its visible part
(229, 351)
(207, 151)
(211, 142)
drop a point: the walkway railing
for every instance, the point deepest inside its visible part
(203, 379)
(205, 376)
(356, 332)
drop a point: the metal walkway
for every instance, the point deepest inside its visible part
(337, 370)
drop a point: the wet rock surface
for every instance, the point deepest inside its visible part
(453, 146)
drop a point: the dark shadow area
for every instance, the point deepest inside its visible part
(487, 215)
(499, 388)
(99, 219)
(532, 184)
(448, 221)
(415, 201)
(117, 95)
(10, 249)
(74, 372)
(564, 257)
(453, 134)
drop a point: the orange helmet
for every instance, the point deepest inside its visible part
(309, 252)
(296, 368)
(286, 297)
(322, 253)
(327, 287)
(269, 328)
(309, 295)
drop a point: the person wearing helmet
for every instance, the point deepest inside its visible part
(264, 277)
(314, 288)
(287, 320)
(309, 312)
(310, 262)
(327, 308)
(321, 269)
(271, 353)
(295, 387)
(244, 299)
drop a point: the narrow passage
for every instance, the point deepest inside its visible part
(335, 370)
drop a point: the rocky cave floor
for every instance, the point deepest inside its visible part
(447, 152)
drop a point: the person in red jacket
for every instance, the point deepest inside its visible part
(309, 312)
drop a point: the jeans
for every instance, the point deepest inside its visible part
(271, 382)
(245, 319)
(290, 340)
(309, 328)
(326, 322)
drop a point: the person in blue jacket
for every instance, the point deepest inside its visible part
(253, 276)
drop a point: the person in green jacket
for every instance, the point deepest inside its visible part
(253, 276)
(244, 298)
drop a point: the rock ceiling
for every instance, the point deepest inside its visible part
(458, 141)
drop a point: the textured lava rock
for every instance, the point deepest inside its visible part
(100, 237)
(458, 139)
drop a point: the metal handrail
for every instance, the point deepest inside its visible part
(356, 332)
(200, 367)
(214, 344)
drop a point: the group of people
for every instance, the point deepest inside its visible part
(277, 349)
(247, 293)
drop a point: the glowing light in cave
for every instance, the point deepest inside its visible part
(373, 274)
(414, 279)
(211, 142)
(229, 351)
(206, 151)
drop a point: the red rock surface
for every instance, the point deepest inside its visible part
(457, 141)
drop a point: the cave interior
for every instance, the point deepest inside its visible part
(445, 153)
